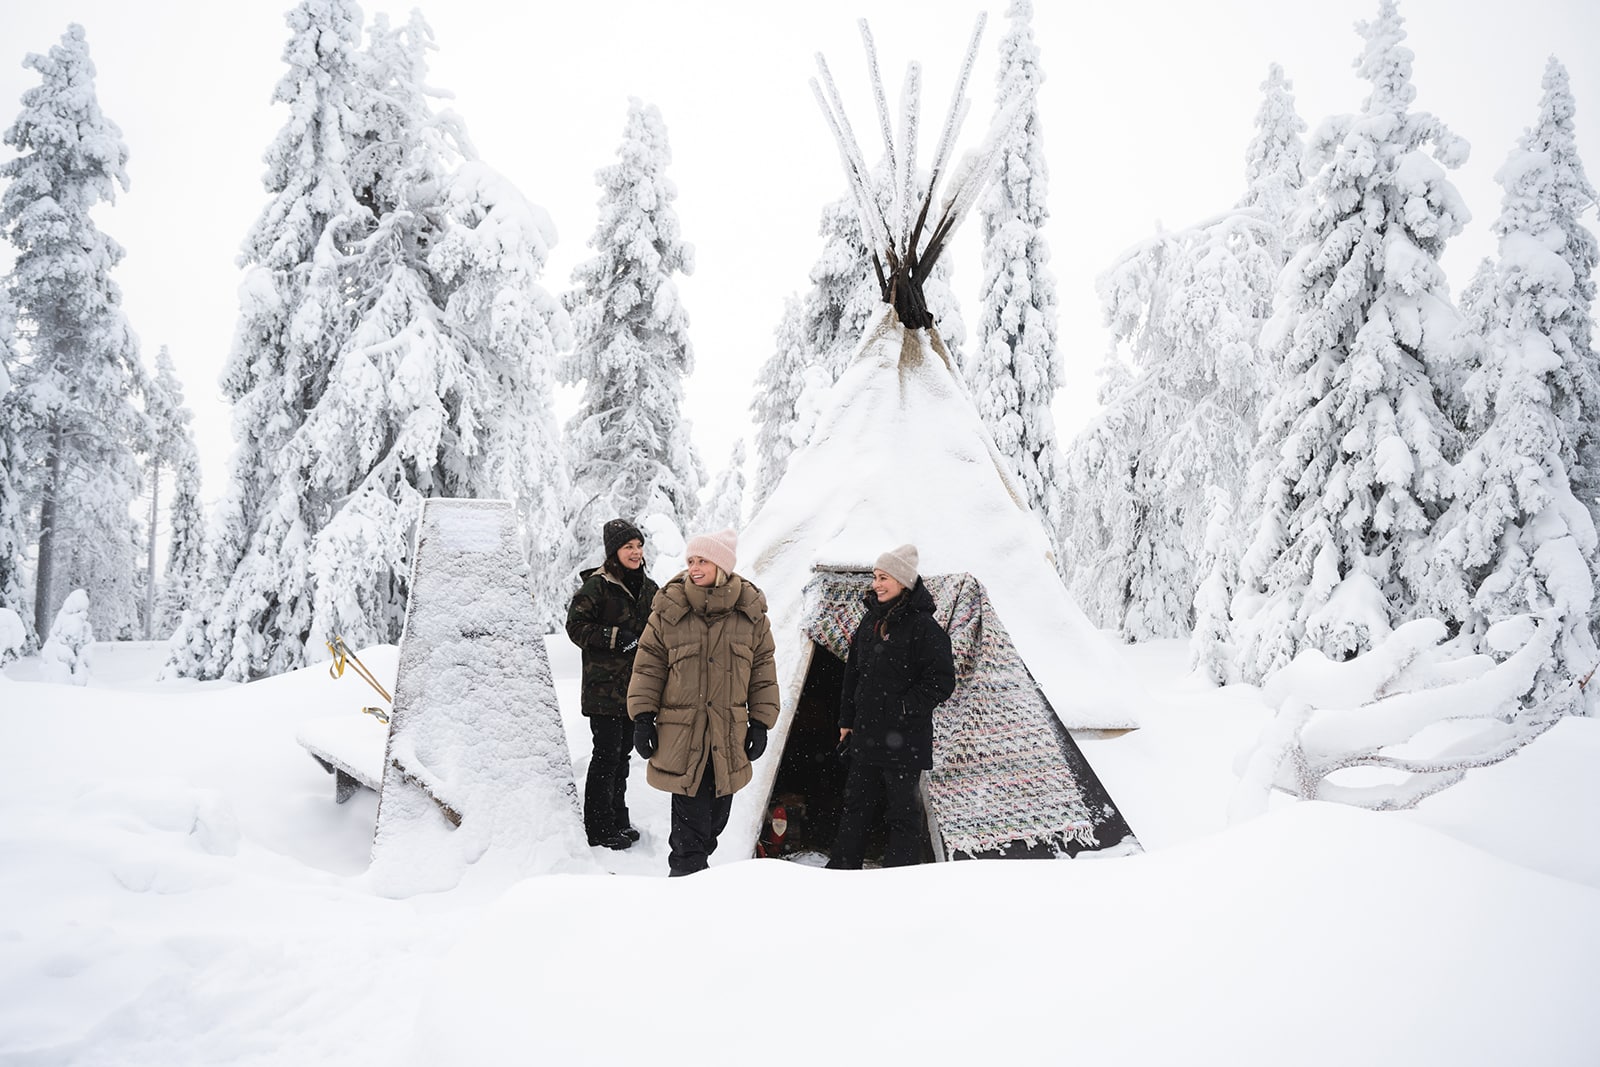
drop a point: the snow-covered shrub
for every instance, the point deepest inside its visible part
(13, 636)
(663, 545)
(65, 656)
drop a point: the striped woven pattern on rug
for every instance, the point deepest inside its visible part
(1000, 772)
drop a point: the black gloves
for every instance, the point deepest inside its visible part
(755, 740)
(644, 735)
(627, 640)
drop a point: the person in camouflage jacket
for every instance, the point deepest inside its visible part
(605, 619)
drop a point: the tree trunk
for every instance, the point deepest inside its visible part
(150, 565)
(44, 582)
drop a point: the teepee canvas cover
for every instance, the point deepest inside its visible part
(900, 455)
(1006, 773)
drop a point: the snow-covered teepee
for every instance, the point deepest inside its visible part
(899, 454)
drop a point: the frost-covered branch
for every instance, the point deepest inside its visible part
(1399, 723)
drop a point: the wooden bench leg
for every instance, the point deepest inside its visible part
(344, 786)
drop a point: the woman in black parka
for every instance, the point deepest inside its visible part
(605, 619)
(900, 668)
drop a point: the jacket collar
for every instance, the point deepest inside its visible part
(612, 578)
(680, 597)
(913, 600)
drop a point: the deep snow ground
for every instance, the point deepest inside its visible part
(178, 887)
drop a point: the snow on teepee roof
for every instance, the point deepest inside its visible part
(901, 455)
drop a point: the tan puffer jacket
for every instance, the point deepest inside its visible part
(704, 668)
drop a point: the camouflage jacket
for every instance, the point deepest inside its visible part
(600, 610)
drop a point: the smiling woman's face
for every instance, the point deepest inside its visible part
(701, 570)
(631, 555)
(885, 587)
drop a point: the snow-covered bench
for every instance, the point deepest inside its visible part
(350, 748)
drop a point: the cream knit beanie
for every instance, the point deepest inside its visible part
(899, 564)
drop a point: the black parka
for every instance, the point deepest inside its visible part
(900, 668)
(602, 610)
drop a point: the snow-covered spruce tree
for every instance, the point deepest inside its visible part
(1273, 184)
(1524, 542)
(1210, 643)
(1015, 371)
(490, 259)
(1273, 179)
(80, 373)
(1353, 465)
(844, 293)
(398, 417)
(1129, 566)
(1571, 312)
(1105, 503)
(13, 527)
(1178, 422)
(628, 443)
(280, 362)
(64, 659)
(724, 503)
(173, 449)
(778, 386)
(429, 343)
(817, 335)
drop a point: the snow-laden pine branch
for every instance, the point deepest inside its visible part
(1404, 721)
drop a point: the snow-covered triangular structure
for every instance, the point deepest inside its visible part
(900, 455)
(477, 771)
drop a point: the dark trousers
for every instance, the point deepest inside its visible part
(605, 805)
(867, 790)
(697, 821)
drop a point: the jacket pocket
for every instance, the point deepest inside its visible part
(897, 728)
(682, 686)
(740, 661)
(674, 737)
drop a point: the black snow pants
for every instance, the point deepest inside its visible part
(605, 790)
(697, 821)
(866, 790)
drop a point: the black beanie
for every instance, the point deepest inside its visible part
(617, 533)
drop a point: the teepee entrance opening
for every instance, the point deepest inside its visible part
(808, 791)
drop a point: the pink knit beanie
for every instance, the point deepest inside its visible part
(719, 548)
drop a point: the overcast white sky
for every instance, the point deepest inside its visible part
(1147, 109)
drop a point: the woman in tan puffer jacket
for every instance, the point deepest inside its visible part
(703, 695)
